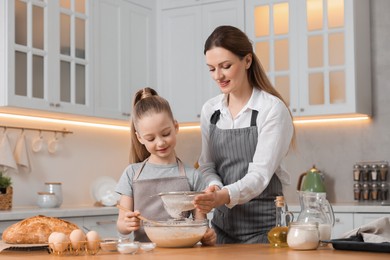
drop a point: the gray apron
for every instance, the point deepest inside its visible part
(151, 206)
(232, 151)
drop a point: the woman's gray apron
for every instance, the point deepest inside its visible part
(232, 151)
(151, 206)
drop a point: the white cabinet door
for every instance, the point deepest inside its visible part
(104, 225)
(365, 218)
(314, 54)
(185, 80)
(48, 60)
(124, 57)
(343, 223)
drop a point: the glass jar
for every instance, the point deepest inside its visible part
(303, 236)
(46, 200)
(56, 188)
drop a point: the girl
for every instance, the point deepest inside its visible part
(154, 166)
(246, 132)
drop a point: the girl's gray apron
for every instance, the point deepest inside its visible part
(232, 151)
(151, 206)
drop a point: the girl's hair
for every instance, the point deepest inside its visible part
(146, 101)
(237, 42)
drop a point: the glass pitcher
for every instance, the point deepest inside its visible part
(316, 208)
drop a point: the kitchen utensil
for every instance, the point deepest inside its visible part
(52, 144)
(139, 216)
(103, 191)
(177, 202)
(176, 233)
(316, 208)
(37, 143)
(312, 181)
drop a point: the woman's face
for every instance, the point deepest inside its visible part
(227, 69)
(157, 132)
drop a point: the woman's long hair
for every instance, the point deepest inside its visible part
(237, 42)
(146, 101)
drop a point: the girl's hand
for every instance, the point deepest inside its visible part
(209, 238)
(131, 221)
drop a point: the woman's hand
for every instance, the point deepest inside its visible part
(209, 238)
(213, 198)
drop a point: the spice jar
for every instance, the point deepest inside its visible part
(383, 169)
(303, 236)
(356, 172)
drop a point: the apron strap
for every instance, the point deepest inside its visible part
(215, 117)
(254, 117)
(182, 171)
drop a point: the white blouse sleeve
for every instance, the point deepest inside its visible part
(275, 131)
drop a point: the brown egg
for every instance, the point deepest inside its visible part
(93, 240)
(77, 238)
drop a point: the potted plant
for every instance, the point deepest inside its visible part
(5, 192)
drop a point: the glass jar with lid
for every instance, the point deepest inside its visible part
(303, 236)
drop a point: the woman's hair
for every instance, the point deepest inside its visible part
(237, 42)
(146, 101)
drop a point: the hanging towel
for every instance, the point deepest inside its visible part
(21, 153)
(7, 160)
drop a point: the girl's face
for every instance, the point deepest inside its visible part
(158, 132)
(227, 69)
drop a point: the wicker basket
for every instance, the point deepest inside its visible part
(6, 199)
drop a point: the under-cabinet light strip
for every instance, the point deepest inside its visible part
(186, 127)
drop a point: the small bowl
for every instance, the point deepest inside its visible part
(109, 245)
(127, 247)
(147, 246)
(176, 233)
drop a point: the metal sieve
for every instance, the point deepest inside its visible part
(177, 202)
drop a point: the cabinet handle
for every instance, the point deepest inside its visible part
(294, 110)
(54, 104)
(198, 115)
(302, 109)
(106, 222)
(126, 114)
(337, 220)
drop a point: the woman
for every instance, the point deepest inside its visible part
(246, 133)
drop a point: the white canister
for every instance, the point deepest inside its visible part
(303, 236)
(56, 188)
(47, 200)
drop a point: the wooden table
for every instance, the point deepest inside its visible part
(236, 252)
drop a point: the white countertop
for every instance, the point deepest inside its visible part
(17, 213)
(352, 207)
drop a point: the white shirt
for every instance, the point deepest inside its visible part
(275, 130)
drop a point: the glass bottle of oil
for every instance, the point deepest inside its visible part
(277, 236)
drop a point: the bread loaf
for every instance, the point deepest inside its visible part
(36, 230)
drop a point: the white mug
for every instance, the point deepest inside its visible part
(37, 143)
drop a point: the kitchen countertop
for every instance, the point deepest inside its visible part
(236, 251)
(18, 213)
(61, 212)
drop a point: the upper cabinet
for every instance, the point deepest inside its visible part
(124, 56)
(46, 55)
(185, 25)
(79, 57)
(316, 53)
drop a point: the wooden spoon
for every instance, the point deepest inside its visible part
(139, 216)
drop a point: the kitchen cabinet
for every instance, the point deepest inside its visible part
(315, 52)
(343, 223)
(124, 56)
(46, 56)
(104, 225)
(183, 75)
(365, 218)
